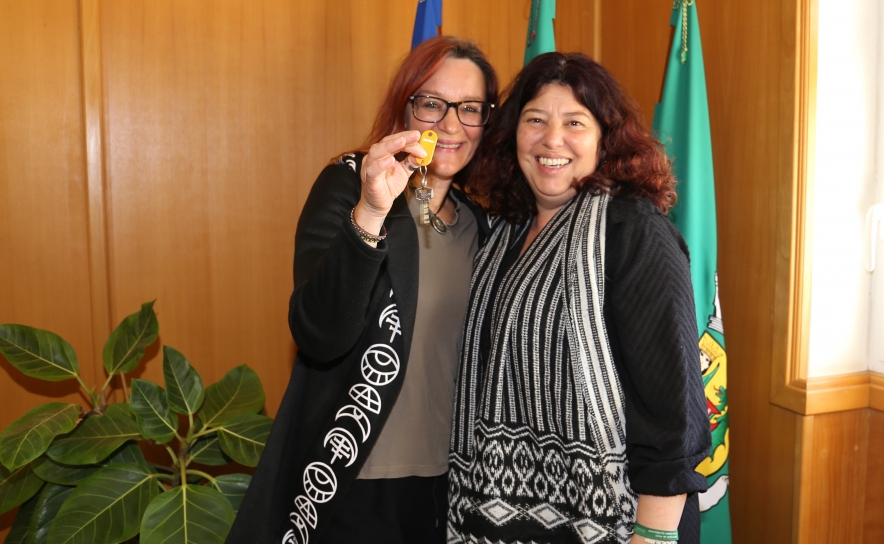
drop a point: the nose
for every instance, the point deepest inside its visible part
(553, 136)
(450, 124)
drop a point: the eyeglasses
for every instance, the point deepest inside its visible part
(432, 109)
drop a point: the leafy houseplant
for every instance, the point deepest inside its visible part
(79, 474)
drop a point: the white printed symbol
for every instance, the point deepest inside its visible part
(343, 445)
(380, 364)
(358, 416)
(302, 529)
(306, 508)
(391, 316)
(367, 397)
(320, 482)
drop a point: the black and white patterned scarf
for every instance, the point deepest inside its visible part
(538, 437)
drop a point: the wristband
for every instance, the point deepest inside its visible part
(655, 535)
(365, 235)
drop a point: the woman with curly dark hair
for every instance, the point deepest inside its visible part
(579, 411)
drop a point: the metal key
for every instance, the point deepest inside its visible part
(424, 195)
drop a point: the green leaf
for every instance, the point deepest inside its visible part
(17, 486)
(238, 393)
(189, 514)
(234, 488)
(18, 534)
(62, 474)
(207, 451)
(38, 353)
(96, 438)
(106, 508)
(27, 437)
(127, 343)
(49, 502)
(243, 438)
(184, 387)
(156, 420)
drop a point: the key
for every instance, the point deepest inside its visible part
(424, 195)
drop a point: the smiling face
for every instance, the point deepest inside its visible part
(456, 80)
(557, 143)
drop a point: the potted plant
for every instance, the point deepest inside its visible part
(78, 472)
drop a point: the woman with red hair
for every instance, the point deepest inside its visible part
(579, 412)
(358, 452)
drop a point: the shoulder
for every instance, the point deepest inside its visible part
(483, 220)
(637, 231)
(338, 180)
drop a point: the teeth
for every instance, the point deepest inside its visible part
(448, 146)
(553, 162)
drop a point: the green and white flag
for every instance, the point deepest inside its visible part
(541, 36)
(681, 121)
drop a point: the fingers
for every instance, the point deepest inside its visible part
(380, 157)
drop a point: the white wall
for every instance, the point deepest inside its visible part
(844, 185)
(876, 329)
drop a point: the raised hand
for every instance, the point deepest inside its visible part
(384, 178)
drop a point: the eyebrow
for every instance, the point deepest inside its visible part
(424, 92)
(568, 114)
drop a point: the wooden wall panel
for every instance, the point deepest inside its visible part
(834, 495)
(43, 208)
(873, 523)
(635, 37)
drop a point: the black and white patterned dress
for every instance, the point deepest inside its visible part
(539, 444)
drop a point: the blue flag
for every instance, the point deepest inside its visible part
(427, 21)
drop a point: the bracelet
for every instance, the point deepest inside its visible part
(655, 536)
(366, 236)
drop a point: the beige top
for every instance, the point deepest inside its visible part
(415, 439)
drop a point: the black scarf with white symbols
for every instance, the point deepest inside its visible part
(337, 454)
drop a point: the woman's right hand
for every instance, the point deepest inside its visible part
(384, 178)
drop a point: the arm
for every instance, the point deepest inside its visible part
(653, 332)
(335, 270)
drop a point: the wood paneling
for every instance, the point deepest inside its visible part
(873, 524)
(43, 205)
(635, 37)
(832, 497)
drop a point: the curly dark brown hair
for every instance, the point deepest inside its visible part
(631, 161)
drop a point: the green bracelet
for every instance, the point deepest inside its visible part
(656, 534)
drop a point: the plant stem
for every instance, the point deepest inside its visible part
(125, 389)
(206, 476)
(204, 432)
(164, 476)
(91, 393)
(174, 456)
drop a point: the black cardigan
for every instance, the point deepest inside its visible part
(336, 278)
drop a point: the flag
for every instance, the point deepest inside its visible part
(681, 121)
(427, 21)
(541, 36)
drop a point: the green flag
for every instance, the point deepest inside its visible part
(541, 37)
(681, 121)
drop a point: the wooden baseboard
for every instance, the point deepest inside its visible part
(831, 394)
(876, 391)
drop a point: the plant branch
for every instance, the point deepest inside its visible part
(174, 456)
(125, 389)
(204, 432)
(209, 477)
(91, 393)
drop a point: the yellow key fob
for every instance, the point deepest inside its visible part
(428, 142)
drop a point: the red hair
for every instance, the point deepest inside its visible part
(417, 67)
(631, 162)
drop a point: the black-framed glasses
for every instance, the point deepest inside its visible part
(432, 109)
